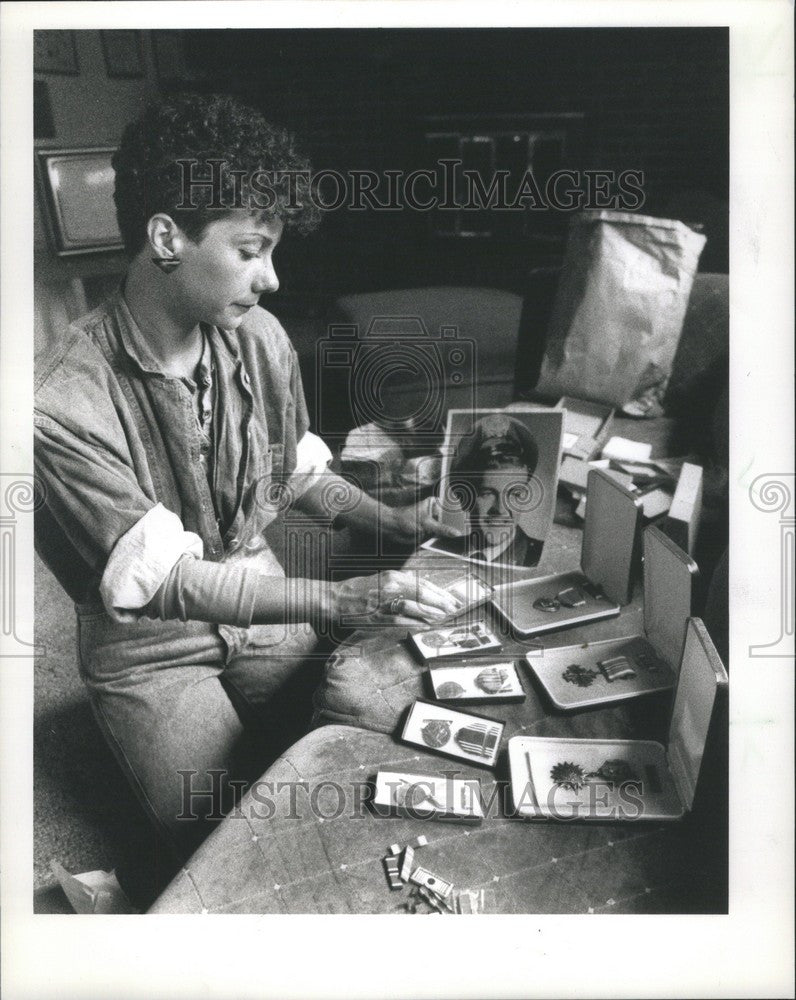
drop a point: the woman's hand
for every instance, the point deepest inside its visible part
(391, 597)
(421, 521)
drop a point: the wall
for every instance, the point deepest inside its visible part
(88, 110)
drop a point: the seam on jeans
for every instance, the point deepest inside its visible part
(135, 781)
(186, 872)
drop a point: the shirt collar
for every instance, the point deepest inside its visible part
(493, 551)
(137, 348)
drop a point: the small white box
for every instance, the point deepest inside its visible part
(682, 521)
(427, 796)
(621, 449)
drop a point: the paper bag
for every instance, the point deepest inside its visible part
(619, 309)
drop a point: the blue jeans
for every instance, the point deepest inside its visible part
(193, 712)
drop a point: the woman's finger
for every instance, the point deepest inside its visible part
(430, 513)
(423, 612)
(426, 589)
(411, 586)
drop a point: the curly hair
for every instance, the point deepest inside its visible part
(215, 136)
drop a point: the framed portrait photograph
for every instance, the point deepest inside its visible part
(498, 484)
(77, 190)
(455, 641)
(55, 52)
(123, 52)
(453, 733)
(498, 681)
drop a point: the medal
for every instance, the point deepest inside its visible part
(580, 676)
(436, 733)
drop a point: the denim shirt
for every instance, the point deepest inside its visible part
(116, 437)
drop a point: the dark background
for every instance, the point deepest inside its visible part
(655, 100)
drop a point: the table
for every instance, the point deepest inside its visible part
(305, 840)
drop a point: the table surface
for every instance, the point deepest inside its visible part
(328, 859)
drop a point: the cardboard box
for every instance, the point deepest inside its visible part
(682, 521)
(596, 673)
(625, 779)
(610, 555)
(586, 426)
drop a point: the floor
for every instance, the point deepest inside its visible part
(85, 816)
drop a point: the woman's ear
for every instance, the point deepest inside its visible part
(165, 238)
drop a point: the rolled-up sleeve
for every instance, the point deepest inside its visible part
(312, 461)
(142, 559)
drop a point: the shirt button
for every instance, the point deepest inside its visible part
(245, 379)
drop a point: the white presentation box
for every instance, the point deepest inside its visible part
(427, 796)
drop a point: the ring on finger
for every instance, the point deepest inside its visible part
(395, 606)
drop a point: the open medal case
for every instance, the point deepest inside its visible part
(497, 681)
(609, 555)
(625, 779)
(470, 638)
(471, 592)
(453, 732)
(595, 673)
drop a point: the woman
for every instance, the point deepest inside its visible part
(170, 428)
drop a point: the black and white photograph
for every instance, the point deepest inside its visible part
(498, 484)
(348, 353)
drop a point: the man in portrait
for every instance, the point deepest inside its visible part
(492, 479)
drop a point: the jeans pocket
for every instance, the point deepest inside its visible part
(86, 636)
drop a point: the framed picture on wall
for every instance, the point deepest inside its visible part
(43, 123)
(77, 189)
(124, 57)
(55, 52)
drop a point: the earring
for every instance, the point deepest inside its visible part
(167, 264)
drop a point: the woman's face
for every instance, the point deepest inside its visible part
(223, 275)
